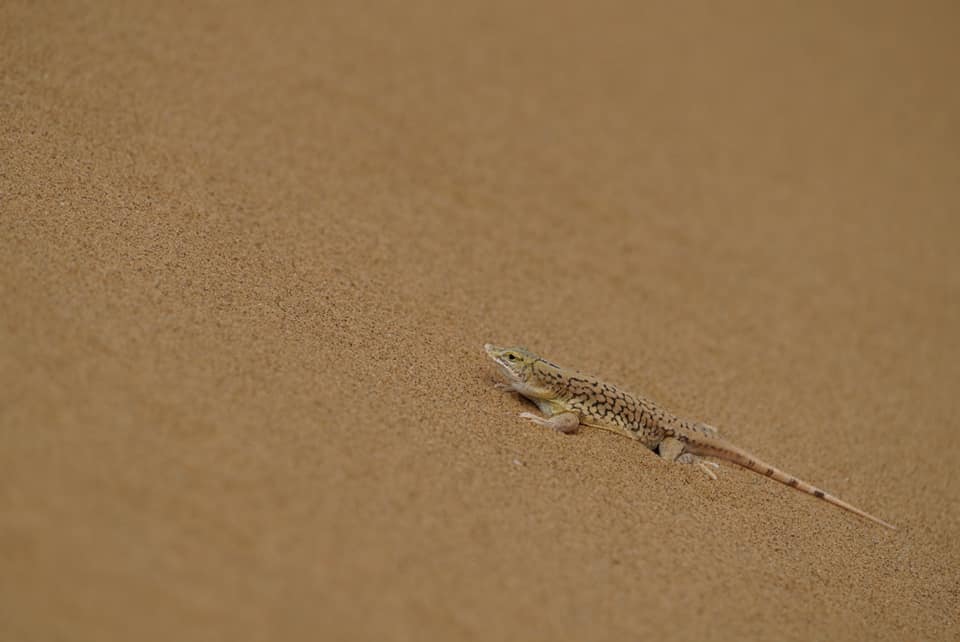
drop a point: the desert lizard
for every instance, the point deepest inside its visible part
(569, 398)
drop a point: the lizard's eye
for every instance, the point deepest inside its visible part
(511, 357)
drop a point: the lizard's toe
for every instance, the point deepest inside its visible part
(705, 467)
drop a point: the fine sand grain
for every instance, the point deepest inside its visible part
(249, 254)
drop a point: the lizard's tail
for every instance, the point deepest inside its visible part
(724, 450)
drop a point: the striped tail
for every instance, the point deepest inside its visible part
(721, 449)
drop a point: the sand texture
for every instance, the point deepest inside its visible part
(250, 253)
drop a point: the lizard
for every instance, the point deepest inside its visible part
(568, 399)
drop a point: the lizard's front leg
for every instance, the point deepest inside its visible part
(565, 422)
(671, 449)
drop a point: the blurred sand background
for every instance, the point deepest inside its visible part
(249, 254)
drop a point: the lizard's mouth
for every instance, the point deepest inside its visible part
(507, 373)
(506, 368)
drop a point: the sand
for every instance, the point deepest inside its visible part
(249, 255)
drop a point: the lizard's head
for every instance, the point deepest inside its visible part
(516, 364)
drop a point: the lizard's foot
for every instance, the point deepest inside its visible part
(504, 387)
(705, 467)
(565, 422)
(702, 464)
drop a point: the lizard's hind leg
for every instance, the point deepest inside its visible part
(672, 450)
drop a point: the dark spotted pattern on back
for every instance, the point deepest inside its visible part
(607, 406)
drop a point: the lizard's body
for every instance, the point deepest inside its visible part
(569, 399)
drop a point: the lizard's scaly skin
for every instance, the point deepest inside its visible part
(569, 398)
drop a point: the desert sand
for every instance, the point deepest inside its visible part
(250, 253)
